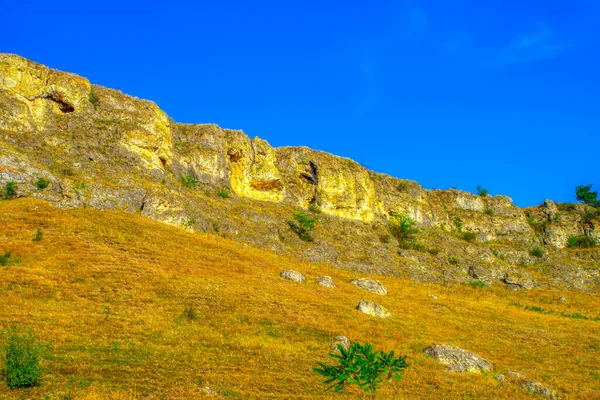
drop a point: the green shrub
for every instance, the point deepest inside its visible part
(536, 252)
(68, 172)
(488, 211)
(190, 313)
(584, 193)
(454, 260)
(4, 258)
(42, 183)
(224, 193)
(498, 254)
(188, 181)
(481, 191)
(93, 99)
(38, 236)
(360, 365)
(22, 359)
(458, 223)
(402, 227)
(432, 251)
(303, 225)
(478, 284)
(385, 238)
(10, 189)
(7, 259)
(582, 241)
(469, 236)
(535, 309)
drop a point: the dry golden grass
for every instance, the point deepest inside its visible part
(106, 292)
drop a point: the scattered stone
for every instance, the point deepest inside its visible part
(511, 286)
(433, 296)
(374, 309)
(294, 276)
(538, 388)
(479, 272)
(515, 374)
(207, 391)
(326, 281)
(562, 299)
(370, 285)
(341, 340)
(457, 359)
(499, 378)
(518, 278)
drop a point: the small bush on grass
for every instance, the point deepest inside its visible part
(10, 189)
(22, 359)
(303, 225)
(361, 366)
(385, 238)
(190, 313)
(478, 284)
(402, 227)
(7, 259)
(498, 254)
(458, 223)
(224, 193)
(68, 172)
(42, 183)
(188, 181)
(581, 241)
(536, 252)
(38, 235)
(454, 260)
(469, 236)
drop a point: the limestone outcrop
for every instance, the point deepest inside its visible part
(101, 148)
(457, 359)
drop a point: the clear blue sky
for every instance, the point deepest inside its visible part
(448, 93)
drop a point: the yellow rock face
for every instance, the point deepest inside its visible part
(67, 117)
(200, 148)
(37, 98)
(345, 192)
(42, 91)
(339, 186)
(145, 128)
(253, 170)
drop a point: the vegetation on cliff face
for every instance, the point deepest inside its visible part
(106, 293)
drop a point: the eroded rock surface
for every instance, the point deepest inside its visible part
(370, 285)
(457, 359)
(374, 309)
(293, 276)
(326, 281)
(341, 341)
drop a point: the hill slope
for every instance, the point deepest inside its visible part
(100, 148)
(106, 292)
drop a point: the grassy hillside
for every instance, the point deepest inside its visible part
(106, 291)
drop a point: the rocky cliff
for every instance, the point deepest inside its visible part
(100, 148)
